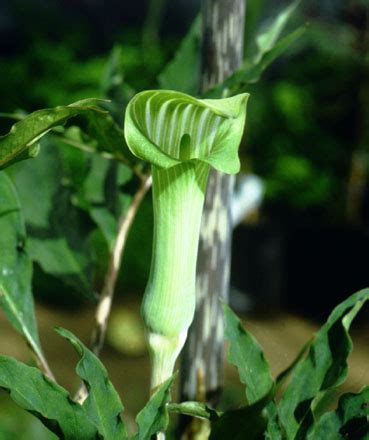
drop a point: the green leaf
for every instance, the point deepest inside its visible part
(285, 374)
(101, 196)
(273, 429)
(323, 370)
(246, 354)
(15, 266)
(183, 72)
(46, 400)
(194, 409)
(267, 39)
(248, 422)
(166, 128)
(25, 133)
(103, 404)
(350, 420)
(251, 73)
(58, 242)
(153, 418)
(114, 86)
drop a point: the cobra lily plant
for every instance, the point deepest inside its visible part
(181, 137)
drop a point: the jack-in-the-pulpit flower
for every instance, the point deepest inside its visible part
(182, 137)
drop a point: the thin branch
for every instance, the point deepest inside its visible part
(107, 293)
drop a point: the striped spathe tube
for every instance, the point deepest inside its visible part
(181, 137)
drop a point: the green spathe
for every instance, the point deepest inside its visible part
(159, 122)
(181, 137)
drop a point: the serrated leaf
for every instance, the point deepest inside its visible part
(15, 266)
(103, 404)
(25, 133)
(350, 420)
(274, 430)
(46, 400)
(246, 354)
(183, 72)
(153, 418)
(324, 369)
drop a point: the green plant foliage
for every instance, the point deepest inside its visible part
(153, 418)
(15, 266)
(103, 404)
(114, 86)
(238, 424)
(60, 247)
(323, 370)
(42, 397)
(101, 196)
(247, 355)
(23, 134)
(350, 420)
(300, 414)
(267, 39)
(270, 45)
(194, 409)
(183, 72)
(90, 189)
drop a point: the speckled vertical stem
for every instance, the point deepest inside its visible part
(202, 365)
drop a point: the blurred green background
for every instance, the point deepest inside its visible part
(307, 138)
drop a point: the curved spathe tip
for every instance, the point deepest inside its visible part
(167, 128)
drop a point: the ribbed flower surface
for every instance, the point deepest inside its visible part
(180, 127)
(181, 137)
(166, 128)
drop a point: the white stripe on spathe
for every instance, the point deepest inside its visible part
(167, 118)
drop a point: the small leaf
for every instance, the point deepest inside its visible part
(246, 354)
(114, 87)
(194, 409)
(350, 420)
(324, 369)
(183, 72)
(103, 404)
(15, 266)
(25, 133)
(251, 73)
(267, 39)
(153, 418)
(46, 400)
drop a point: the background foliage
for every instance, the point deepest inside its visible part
(306, 136)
